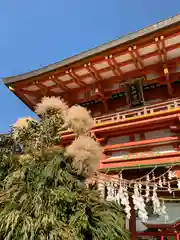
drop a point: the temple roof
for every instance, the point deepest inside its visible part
(172, 21)
(151, 55)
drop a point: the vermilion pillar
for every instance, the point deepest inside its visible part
(132, 221)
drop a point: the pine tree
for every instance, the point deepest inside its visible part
(44, 195)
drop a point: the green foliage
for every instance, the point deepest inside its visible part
(44, 197)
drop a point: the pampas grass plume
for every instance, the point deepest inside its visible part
(22, 123)
(51, 103)
(79, 119)
(86, 153)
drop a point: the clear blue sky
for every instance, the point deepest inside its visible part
(34, 33)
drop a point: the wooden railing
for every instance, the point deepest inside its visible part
(147, 109)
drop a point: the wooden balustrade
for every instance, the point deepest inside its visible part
(145, 110)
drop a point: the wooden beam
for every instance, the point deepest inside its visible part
(160, 44)
(100, 92)
(137, 61)
(20, 94)
(59, 83)
(175, 128)
(37, 94)
(137, 56)
(98, 78)
(138, 121)
(160, 121)
(32, 93)
(93, 71)
(46, 91)
(166, 73)
(118, 163)
(152, 142)
(43, 88)
(76, 78)
(113, 65)
(133, 52)
(155, 68)
(153, 127)
(164, 52)
(159, 50)
(155, 234)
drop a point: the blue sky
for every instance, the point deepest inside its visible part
(34, 33)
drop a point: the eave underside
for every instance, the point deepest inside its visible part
(171, 22)
(152, 54)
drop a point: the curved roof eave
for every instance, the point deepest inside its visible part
(125, 39)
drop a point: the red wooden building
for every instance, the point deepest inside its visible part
(132, 87)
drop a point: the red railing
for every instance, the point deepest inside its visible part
(147, 109)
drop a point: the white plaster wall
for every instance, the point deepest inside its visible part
(120, 153)
(117, 140)
(148, 136)
(137, 137)
(163, 149)
(157, 150)
(158, 134)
